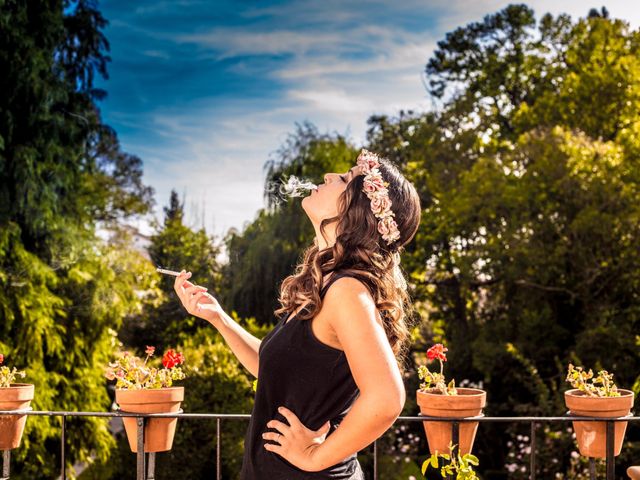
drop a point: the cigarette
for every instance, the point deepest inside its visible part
(167, 272)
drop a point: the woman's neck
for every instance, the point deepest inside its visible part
(331, 237)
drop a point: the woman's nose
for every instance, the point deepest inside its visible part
(327, 176)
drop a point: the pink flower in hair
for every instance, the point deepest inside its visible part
(388, 227)
(376, 178)
(371, 186)
(367, 161)
(374, 182)
(376, 190)
(383, 228)
(380, 204)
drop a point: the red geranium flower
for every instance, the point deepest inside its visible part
(172, 358)
(437, 352)
(1, 358)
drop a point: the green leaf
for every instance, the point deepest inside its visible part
(425, 465)
(472, 459)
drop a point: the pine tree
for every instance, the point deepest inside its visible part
(174, 246)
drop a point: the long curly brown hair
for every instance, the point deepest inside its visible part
(360, 251)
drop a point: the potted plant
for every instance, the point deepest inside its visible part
(436, 398)
(142, 388)
(13, 396)
(460, 465)
(596, 397)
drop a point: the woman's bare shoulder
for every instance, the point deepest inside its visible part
(348, 296)
(348, 285)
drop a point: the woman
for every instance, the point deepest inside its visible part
(336, 359)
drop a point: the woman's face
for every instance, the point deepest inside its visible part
(323, 202)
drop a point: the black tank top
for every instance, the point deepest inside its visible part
(310, 378)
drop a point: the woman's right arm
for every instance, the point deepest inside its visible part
(203, 305)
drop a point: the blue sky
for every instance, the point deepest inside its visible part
(205, 91)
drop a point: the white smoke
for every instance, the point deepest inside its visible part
(292, 187)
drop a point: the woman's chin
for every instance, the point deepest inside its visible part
(303, 204)
(307, 211)
(307, 199)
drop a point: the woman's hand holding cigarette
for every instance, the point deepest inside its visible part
(196, 300)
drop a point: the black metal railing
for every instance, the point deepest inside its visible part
(145, 465)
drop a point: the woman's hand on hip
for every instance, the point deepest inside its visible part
(195, 299)
(296, 443)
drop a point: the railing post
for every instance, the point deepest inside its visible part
(218, 465)
(455, 439)
(6, 462)
(63, 461)
(141, 470)
(592, 468)
(611, 467)
(151, 468)
(532, 456)
(375, 460)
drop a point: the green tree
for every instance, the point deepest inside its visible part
(62, 289)
(527, 255)
(574, 62)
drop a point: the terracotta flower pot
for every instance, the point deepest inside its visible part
(17, 397)
(158, 432)
(468, 403)
(591, 436)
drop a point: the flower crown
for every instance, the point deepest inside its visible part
(376, 189)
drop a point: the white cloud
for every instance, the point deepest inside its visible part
(334, 101)
(215, 156)
(157, 54)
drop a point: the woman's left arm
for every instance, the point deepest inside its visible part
(359, 329)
